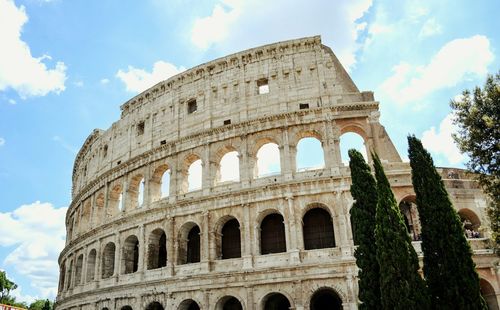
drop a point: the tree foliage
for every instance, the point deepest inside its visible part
(364, 192)
(477, 115)
(401, 286)
(41, 304)
(6, 286)
(448, 267)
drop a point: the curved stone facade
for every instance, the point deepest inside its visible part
(133, 242)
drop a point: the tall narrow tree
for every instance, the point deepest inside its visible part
(401, 286)
(364, 192)
(448, 267)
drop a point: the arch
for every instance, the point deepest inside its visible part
(310, 154)
(193, 173)
(229, 167)
(70, 272)
(470, 222)
(154, 306)
(78, 269)
(272, 234)
(189, 304)
(62, 276)
(228, 303)
(136, 191)
(91, 259)
(352, 140)
(189, 244)
(268, 160)
(275, 301)
(126, 308)
(325, 298)
(86, 213)
(318, 229)
(159, 185)
(99, 210)
(130, 254)
(409, 210)
(488, 293)
(230, 239)
(115, 200)
(108, 260)
(157, 249)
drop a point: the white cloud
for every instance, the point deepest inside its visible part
(104, 81)
(2, 141)
(79, 84)
(12, 101)
(19, 70)
(430, 28)
(138, 80)
(456, 60)
(37, 231)
(237, 25)
(441, 142)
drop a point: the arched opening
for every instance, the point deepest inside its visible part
(157, 249)
(310, 155)
(70, 272)
(229, 303)
(194, 176)
(62, 275)
(351, 140)
(130, 255)
(231, 240)
(272, 234)
(268, 160)
(189, 244)
(318, 229)
(325, 299)
(86, 213)
(78, 269)
(488, 293)
(91, 265)
(155, 306)
(99, 210)
(165, 184)
(126, 308)
(115, 200)
(189, 304)
(277, 301)
(159, 184)
(229, 167)
(412, 220)
(470, 222)
(108, 260)
(136, 192)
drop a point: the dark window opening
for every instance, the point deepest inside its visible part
(272, 234)
(192, 106)
(263, 86)
(162, 142)
(105, 151)
(278, 302)
(155, 306)
(157, 249)
(325, 299)
(231, 241)
(193, 246)
(232, 304)
(227, 122)
(318, 230)
(303, 106)
(140, 128)
(118, 162)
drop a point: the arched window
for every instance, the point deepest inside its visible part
(136, 192)
(70, 272)
(228, 303)
(130, 255)
(276, 301)
(99, 210)
(189, 244)
(165, 184)
(409, 211)
(78, 269)
(115, 200)
(230, 167)
(470, 222)
(62, 276)
(108, 260)
(351, 140)
(318, 229)
(159, 184)
(309, 154)
(488, 293)
(157, 249)
(272, 234)
(325, 299)
(154, 306)
(189, 304)
(126, 308)
(195, 176)
(91, 265)
(140, 198)
(268, 160)
(231, 240)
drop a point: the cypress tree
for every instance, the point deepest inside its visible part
(401, 286)
(364, 192)
(448, 267)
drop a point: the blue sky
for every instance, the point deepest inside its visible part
(67, 66)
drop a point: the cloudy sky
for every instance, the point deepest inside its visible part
(66, 67)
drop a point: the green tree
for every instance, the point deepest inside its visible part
(477, 115)
(401, 286)
(6, 286)
(364, 192)
(41, 304)
(448, 267)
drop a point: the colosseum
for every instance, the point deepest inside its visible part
(157, 222)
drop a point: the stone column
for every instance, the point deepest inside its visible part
(83, 278)
(246, 240)
(171, 242)
(205, 242)
(286, 161)
(141, 266)
(97, 273)
(118, 249)
(292, 231)
(250, 302)
(206, 180)
(245, 169)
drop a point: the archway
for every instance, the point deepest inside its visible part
(470, 222)
(488, 293)
(351, 140)
(318, 229)
(155, 306)
(194, 175)
(272, 234)
(268, 160)
(325, 298)
(231, 239)
(108, 260)
(189, 304)
(157, 249)
(409, 211)
(310, 154)
(130, 255)
(276, 301)
(229, 167)
(228, 303)
(126, 308)
(91, 265)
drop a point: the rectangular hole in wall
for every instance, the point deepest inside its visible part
(227, 122)
(192, 106)
(118, 162)
(263, 85)
(162, 142)
(303, 106)
(140, 128)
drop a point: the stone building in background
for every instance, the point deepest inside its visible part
(157, 222)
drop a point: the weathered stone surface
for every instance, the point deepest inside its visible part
(115, 257)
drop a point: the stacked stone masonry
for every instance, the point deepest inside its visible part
(256, 242)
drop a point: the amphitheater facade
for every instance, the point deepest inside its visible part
(143, 234)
